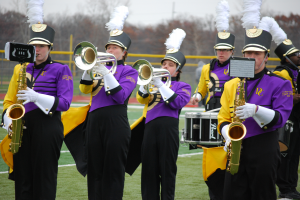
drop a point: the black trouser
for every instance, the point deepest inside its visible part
(159, 155)
(36, 163)
(288, 171)
(213, 103)
(108, 137)
(257, 172)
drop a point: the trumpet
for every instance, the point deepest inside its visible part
(147, 73)
(86, 57)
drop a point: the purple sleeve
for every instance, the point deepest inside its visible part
(127, 81)
(64, 88)
(183, 92)
(282, 102)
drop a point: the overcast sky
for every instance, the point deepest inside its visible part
(145, 12)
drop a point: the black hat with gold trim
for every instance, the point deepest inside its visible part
(225, 40)
(173, 44)
(285, 46)
(39, 33)
(257, 36)
(115, 26)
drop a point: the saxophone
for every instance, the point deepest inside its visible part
(15, 112)
(236, 131)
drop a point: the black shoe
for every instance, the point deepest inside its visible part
(290, 195)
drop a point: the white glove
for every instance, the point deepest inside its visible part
(197, 96)
(157, 81)
(143, 90)
(223, 131)
(28, 95)
(86, 75)
(43, 101)
(246, 111)
(100, 68)
(7, 123)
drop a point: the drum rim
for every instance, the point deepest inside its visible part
(201, 115)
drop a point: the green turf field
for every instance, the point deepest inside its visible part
(71, 185)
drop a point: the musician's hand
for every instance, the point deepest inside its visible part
(28, 95)
(100, 68)
(196, 98)
(246, 111)
(143, 90)
(226, 138)
(157, 82)
(86, 75)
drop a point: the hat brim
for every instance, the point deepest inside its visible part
(115, 43)
(38, 42)
(293, 51)
(253, 49)
(170, 58)
(223, 47)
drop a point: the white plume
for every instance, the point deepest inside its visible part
(251, 13)
(117, 18)
(277, 33)
(175, 39)
(35, 11)
(266, 23)
(222, 19)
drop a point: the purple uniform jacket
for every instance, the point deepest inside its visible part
(221, 75)
(55, 80)
(272, 92)
(172, 108)
(127, 78)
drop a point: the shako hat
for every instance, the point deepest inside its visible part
(39, 33)
(115, 26)
(257, 36)
(285, 46)
(173, 44)
(225, 40)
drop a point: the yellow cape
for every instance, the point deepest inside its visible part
(6, 155)
(73, 117)
(213, 158)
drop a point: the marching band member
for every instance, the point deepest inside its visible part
(160, 142)
(268, 105)
(107, 129)
(289, 55)
(49, 91)
(211, 83)
(216, 73)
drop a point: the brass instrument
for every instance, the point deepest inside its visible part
(86, 57)
(236, 131)
(15, 112)
(146, 74)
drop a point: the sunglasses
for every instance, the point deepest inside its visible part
(295, 54)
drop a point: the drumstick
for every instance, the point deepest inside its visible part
(217, 109)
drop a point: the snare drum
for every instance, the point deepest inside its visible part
(201, 128)
(284, 135)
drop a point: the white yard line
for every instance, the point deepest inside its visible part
(69, 165)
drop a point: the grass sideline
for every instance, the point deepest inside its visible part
(71, 185)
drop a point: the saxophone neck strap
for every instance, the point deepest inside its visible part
(247, 97)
